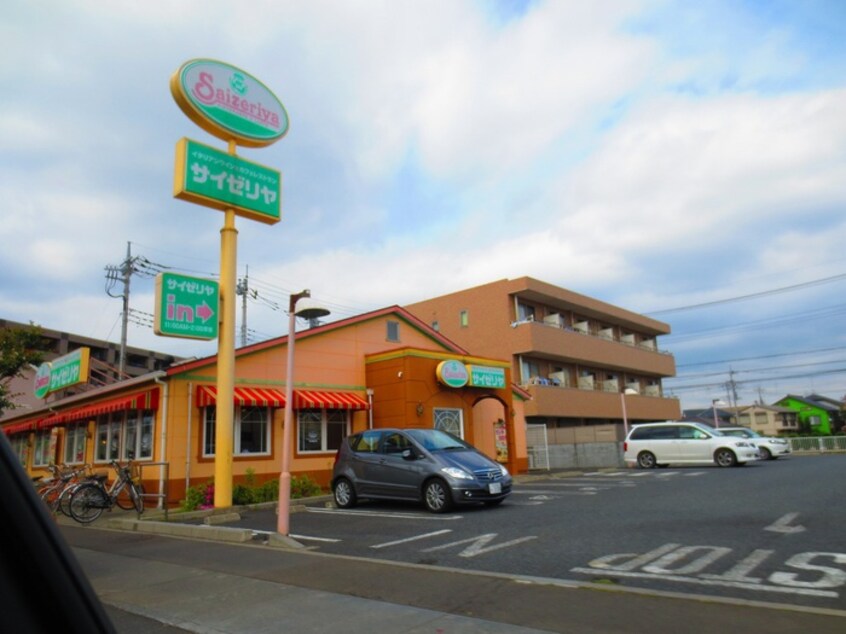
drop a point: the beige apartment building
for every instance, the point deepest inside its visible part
(590, 367)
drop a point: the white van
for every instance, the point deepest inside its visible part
(679, 442)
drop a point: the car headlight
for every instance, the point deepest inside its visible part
(504, 471)
(458, 474)
(744, 444)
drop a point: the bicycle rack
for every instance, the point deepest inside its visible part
(163, 482)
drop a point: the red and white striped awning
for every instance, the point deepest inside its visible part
(148, 400)
(328, 400)
(270, 397)
(256, 396)
(17, 428)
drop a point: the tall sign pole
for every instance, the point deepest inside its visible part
(236, 107)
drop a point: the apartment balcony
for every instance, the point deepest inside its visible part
(550, 342)
(562, 402)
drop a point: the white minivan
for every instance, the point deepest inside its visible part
(680, 442)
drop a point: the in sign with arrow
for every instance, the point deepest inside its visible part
(186, 306)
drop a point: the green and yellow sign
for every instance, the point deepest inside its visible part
(209, 177)
(62, 372)
(186, 306)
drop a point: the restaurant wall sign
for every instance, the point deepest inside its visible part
(453, 373)
(62, 372)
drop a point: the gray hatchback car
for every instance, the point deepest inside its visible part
(425, 465)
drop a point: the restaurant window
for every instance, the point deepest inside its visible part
(42, 457)
(450, 420)
(124, 435)
(251, 430)
(321, 430)
(393, 331)
(75, 437)
(20, 447)
(464, 318)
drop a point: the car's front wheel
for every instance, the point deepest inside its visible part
(725, 458)
(646, 460)
(436, 496)
(766, 454)
(344, 494)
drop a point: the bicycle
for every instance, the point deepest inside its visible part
(55, 492)
(89, 499)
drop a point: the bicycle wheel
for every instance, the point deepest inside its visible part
(136, 492)
(65, 498)
(51, 495)
(125, 498)
(88, 502)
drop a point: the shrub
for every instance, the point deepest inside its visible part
(202, 495)
(198, 496)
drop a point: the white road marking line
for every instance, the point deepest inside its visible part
(402, 516)
(412, 539)
(709, 582)
(781, 525)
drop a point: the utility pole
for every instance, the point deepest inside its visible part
(242, 289)
(122, 273)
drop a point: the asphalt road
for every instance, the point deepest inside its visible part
(768, 532)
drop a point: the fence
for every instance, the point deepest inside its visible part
(538, 446)
(817, 444)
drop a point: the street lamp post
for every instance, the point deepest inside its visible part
(311, 312)
(623, 394)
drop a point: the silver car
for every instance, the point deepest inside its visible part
(421, 465)
(770, 448)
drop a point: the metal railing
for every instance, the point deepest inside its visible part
(817, 444)
(163, 478)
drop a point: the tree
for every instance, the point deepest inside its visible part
(19, 347)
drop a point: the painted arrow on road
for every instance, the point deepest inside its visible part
(782, 525)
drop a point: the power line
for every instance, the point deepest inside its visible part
(741, 298)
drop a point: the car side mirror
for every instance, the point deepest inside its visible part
(408, 454)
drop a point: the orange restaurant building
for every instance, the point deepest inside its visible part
(381, 369)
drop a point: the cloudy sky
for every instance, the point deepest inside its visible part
(685, 160)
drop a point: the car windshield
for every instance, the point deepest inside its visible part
(436, 440)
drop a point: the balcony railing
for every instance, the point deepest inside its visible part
(583, 329)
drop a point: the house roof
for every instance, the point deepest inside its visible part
(396, 311)
(807, 400)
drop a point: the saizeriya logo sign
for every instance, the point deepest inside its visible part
(229, 103)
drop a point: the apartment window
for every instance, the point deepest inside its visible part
(525, 312)
(393, 331)
(321, 430)
(251, 431)
(464, 318)
(529, 370)
(126, 435)
(75, 437)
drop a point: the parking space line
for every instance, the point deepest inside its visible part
(402, 516)
(412, 539)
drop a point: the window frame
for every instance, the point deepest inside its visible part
(325, 438)
(209, 428)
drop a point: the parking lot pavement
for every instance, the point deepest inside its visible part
(202, 585)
